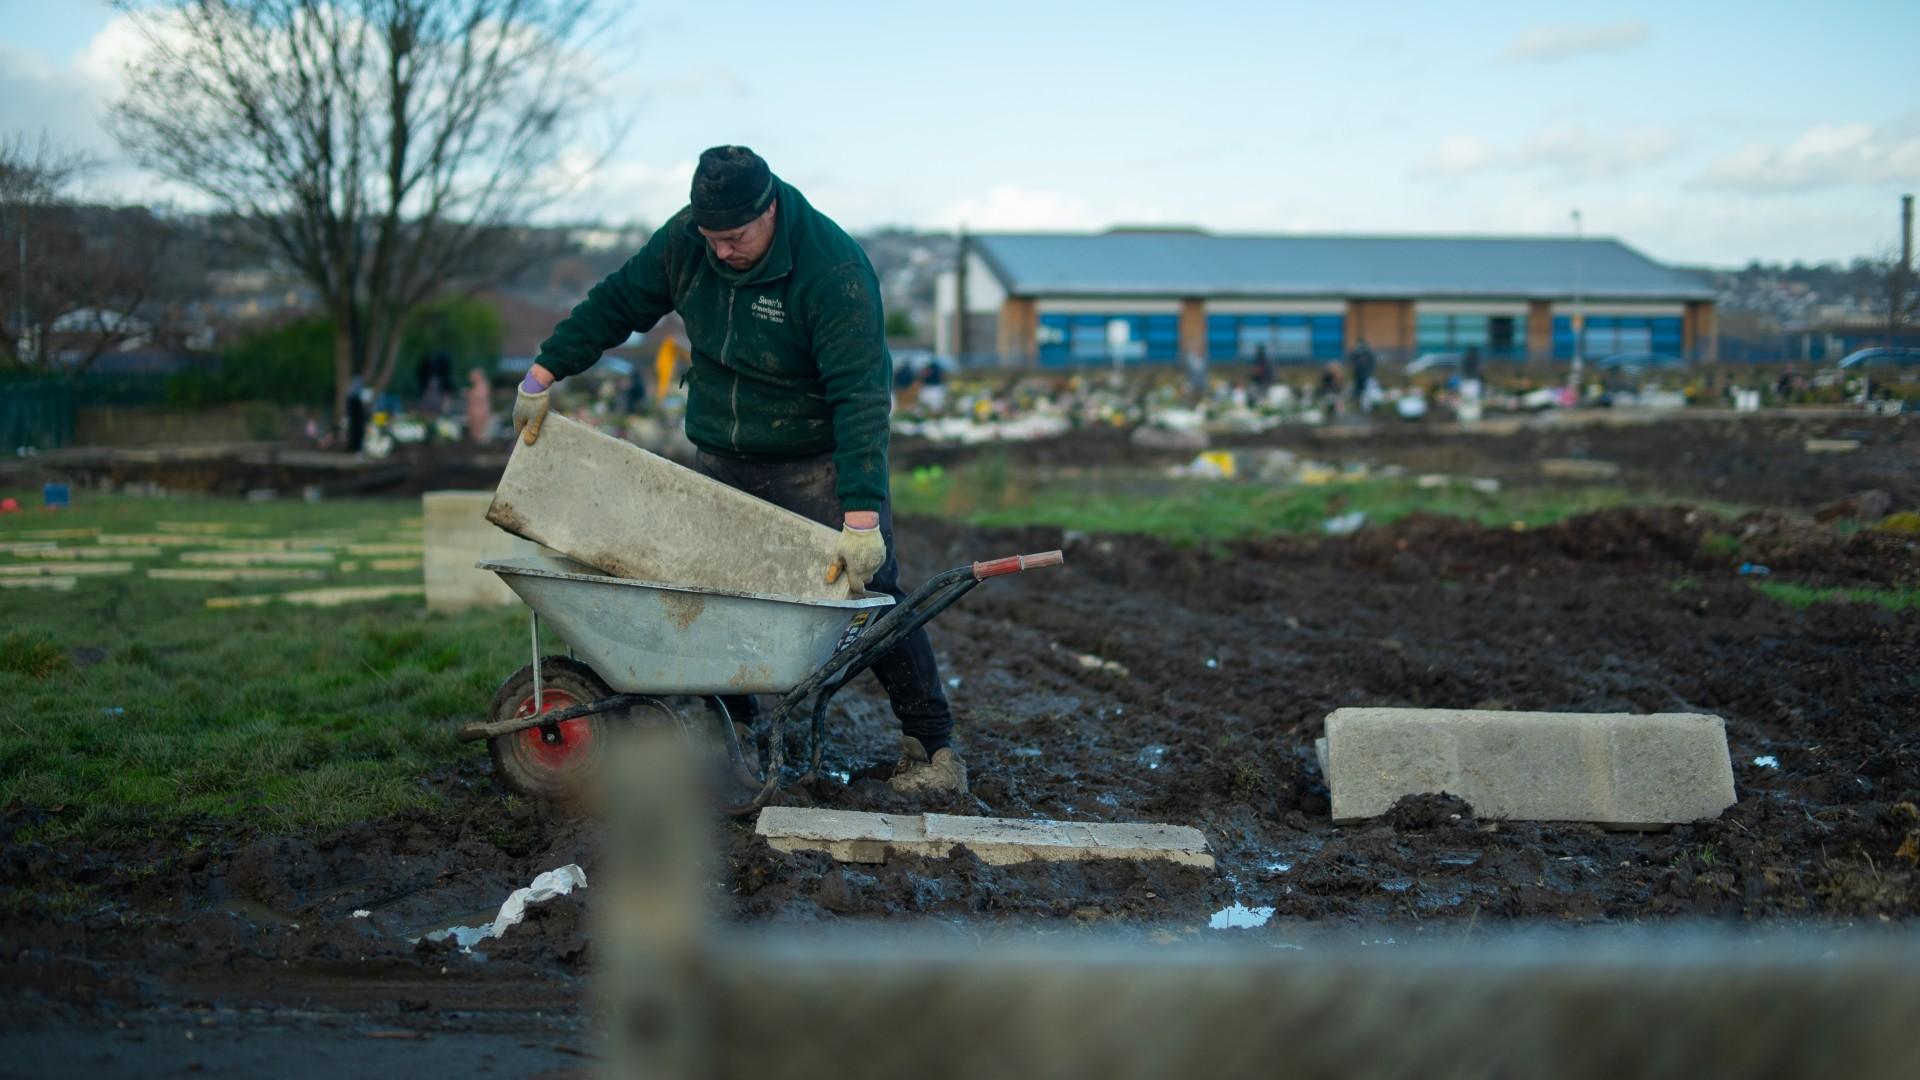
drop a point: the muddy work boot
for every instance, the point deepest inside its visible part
(915, 771)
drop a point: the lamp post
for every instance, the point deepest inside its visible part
(1579, 314)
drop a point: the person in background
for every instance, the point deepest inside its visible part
(1260, 375)
(357, 415)
(479, 407)
(933, 388)
(666, 360)
(1197, 376)
(1362, 361)
(1470, 384)
(633, 394)
(1328, 394)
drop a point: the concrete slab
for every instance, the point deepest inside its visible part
(857, 836)
(203, 528)
(392, 566)
(1613, 768)
(152, 540)
(415, 548)
(257, 558)
(1832, 446)
(55, 584)
(457, 534)
(104, 553)
(632, 514)
(1579, 469)
(64, 569)
(29, 547)
(334, 597)
(236, 573)
(57, 534)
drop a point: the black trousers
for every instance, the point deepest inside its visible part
(908, 671)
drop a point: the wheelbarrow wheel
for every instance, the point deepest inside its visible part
(552, 762)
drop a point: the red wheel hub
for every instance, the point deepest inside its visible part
(553, 746)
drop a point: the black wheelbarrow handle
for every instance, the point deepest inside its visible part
(935, 595)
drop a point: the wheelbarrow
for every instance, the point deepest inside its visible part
(648, 652)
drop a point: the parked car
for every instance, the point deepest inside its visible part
(1883, 357)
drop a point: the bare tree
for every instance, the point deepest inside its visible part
(74, 278)
(379, 144)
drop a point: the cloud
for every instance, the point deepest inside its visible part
(617, 191)
(1558, 41)
(1823, 156)
(1010, 206)
(1565, 152)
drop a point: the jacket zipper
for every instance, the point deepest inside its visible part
(726, 342)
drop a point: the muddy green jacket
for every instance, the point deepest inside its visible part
(789, 357)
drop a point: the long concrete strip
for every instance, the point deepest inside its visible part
(345, 594)
(56, 584)
(236, 573)
(858, 836)
(258, 558)
(1617, 769)
(64, 569)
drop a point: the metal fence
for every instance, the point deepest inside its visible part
(39, 411)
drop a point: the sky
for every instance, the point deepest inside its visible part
(1699, 132)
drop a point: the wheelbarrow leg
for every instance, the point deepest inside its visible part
(538, 705)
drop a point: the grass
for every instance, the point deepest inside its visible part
(1192, 511)
(1802, 596)
(131, 706)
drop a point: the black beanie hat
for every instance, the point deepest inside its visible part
(731, 187)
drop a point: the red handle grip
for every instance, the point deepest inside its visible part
(1013, 564)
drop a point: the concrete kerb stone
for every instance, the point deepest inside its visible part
(456, 535)
(1616, 769)
(859, 836)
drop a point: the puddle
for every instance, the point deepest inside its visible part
(464, 936)
(1152, 755)
(841, 775)
(1239, 917)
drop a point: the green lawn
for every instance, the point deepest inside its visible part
(132, 705)
(1187, 511)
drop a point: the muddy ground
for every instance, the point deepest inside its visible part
(214, 947)
(1758, 461)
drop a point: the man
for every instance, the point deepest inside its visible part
(1362, 364)
(787, 392)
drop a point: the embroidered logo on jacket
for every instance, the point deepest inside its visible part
(769, 309)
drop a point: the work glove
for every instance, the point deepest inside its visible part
(530, 410)
(859, 554)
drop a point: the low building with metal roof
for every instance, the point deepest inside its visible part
(1155, 295)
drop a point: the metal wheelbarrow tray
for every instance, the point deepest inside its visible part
(646, 637)
(639, 644)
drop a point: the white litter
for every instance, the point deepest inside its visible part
(1767, 761)
(1239, 917)
(361, 913)
(1345, 524)
(553, 883)
(558, 882)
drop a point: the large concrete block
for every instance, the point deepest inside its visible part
(1614, 768)
(457, 536)
(632, 514)
(858, 836)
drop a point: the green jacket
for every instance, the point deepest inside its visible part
(789, 357)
